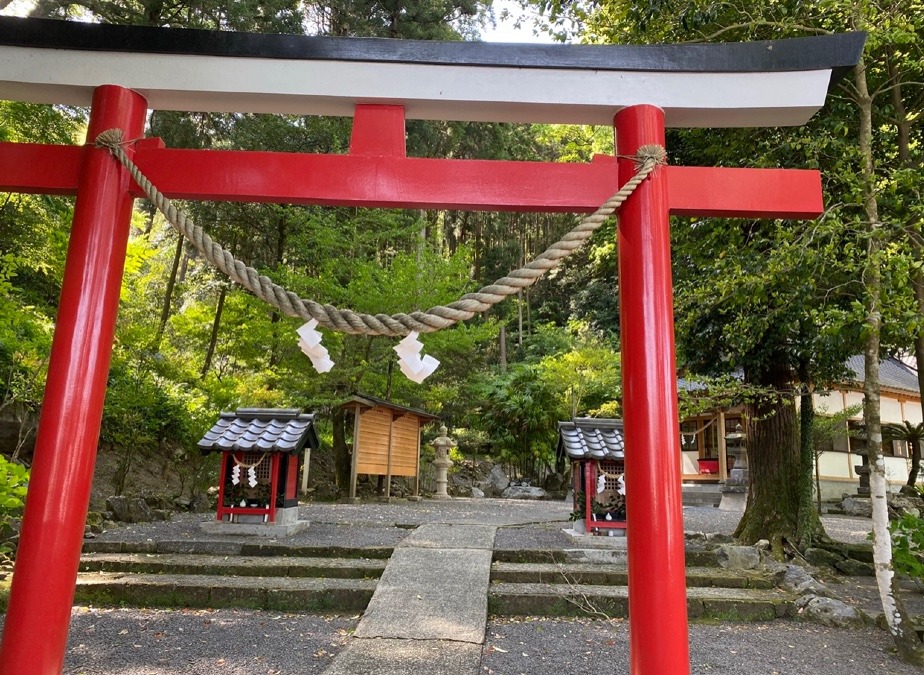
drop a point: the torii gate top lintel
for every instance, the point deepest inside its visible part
(767, 83)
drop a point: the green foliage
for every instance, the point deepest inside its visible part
(827, 427)
(586, 378)
(913, 435)
(147, 415)
(908, 546)
(14, 482)
(520, 412)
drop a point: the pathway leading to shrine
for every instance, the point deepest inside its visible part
(429, 610)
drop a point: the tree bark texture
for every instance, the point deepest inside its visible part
(809, 524)
(772, 510)
(168, 293)
(342, 454)
(917, 281)
(907, 643)
(213, 338)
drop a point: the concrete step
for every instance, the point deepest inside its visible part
(243, 566)
(547, 599)
(617, 575)
(207, 591)
(236, 548)
(709, 494)
(615, 554)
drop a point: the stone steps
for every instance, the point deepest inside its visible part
(617, 554)
(242, 566)
(221, 574)
(593, 582)
(210, 591)
(709, 494)
(279, 577)
(562, 599)
(236, 548)
(616, 575)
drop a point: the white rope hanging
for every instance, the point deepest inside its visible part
(347, 321)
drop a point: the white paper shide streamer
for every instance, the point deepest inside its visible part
(310, 343)
(416, 367)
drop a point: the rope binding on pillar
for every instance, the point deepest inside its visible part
(347, 321)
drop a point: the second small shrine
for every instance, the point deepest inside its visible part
(386, 440)
(596, 449)
(261, 453)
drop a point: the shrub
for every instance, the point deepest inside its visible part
(14, 481)
(908, 546)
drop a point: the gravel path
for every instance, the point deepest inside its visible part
(201, 642)
(238, 642)
(229, 642)
(554, 647)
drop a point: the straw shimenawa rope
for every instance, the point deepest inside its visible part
(348, 321)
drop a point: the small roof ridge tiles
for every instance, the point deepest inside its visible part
(285, 430)
(591, 438)
(265, 413)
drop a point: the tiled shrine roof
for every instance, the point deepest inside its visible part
(591, 438)
(285, 430)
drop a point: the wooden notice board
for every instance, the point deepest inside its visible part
(386, 440)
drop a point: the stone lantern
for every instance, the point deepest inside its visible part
(443, 444)
(735, 490)
(859, 448)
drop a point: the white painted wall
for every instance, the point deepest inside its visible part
(836, 468)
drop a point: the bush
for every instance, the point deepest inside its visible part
(14, 481)
(908, 546)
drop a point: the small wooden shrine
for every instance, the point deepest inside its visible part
(386, 440)
(596, 450)
(260, 460)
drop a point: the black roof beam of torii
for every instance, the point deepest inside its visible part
(765, 83)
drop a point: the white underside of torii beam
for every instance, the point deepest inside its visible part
(427, 91)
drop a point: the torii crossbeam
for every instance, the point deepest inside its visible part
(123, 71)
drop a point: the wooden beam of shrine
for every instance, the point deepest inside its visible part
(420, 183)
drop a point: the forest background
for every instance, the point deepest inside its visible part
(785, 303)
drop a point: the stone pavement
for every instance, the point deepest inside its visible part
(429, 610)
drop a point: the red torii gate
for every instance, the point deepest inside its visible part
(782, 82)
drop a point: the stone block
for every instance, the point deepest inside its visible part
(738, 557)
(857, 506)
(855, 568)
(828, 612)
(523, 492)
(496, 482)
(822, 558)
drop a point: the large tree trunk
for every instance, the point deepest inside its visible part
(903, 129)
(908, 644)
(917, 280)
(809, 524)
(168, 293)
(342, 452)
(274, 356)
(772, 510)
(213, 338)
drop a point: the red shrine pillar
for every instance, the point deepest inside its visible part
(658, 637)
(37, 621)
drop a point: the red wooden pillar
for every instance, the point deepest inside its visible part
(222, 476)
(35, 635)
(658, 638)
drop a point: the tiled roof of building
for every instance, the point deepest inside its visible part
(285, 430)
(591, 438)
(893, 374)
